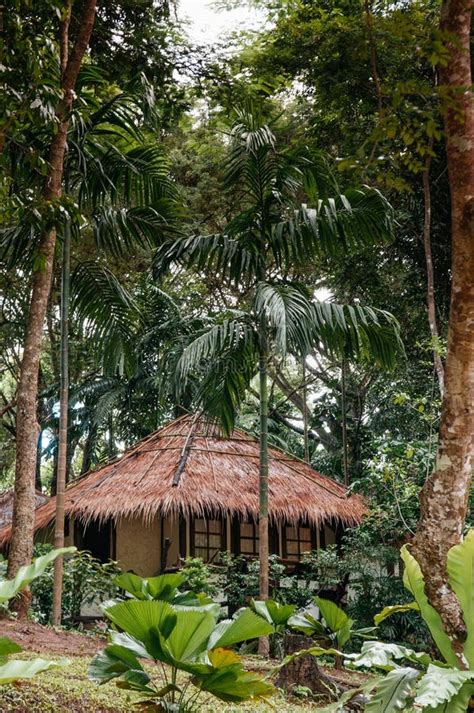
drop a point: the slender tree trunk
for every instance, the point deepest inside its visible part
(27, 428)
(63, 424)
(430, 296)
(305, 415)
(345, 458)
(263, 645)
(445, 494)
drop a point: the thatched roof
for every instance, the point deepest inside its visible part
(6, 505)
(188, 468)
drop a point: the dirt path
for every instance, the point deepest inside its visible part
(43, 639)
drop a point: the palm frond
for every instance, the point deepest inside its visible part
(221, 362)
(358, 332)
(121, 230)
(139, 176)
(100, 300)
(220, 254)
(350, 221)
(289, 313)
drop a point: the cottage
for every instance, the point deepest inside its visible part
(188, 490)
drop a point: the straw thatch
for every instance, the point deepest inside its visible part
(6, 505)
(187, 468)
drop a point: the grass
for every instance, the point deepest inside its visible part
(69, 689)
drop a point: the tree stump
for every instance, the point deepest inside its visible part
(305, 671)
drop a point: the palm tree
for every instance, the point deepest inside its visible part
(119, 201)
(259, 258)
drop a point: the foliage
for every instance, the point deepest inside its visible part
(85, 581)
(164, 587)
(275, 234)
(239, 579)
(335, 624)
(427, 683)
(198, 576)
(278, 615)
(13, 669)
(184, 639)
(9, 588)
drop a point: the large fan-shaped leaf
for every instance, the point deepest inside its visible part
(189, 636)
(246, 625)
(163, 588)
(143, 620)
(234, 684)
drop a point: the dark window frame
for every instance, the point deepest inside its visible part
(197, 550)
(254, 538)
(296, 556)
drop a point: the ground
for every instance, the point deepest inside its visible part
(68, 689)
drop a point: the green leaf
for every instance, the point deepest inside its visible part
(339, 705)
(189, 636)
(460, 565)
(7, 646)
(14, 670)
(143, 620)
(335, 617)
(272, 611)
(316, 651)
(392, 692)
(234, 684)
(137, 680)
(458, 703)
(414, 582)
(440, 685)
(164, 587)
(112, 662)
(306, 623)
(394, 609)
(10, 587)
(377, 654)
(246, 625)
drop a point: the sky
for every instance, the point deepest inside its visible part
(208, 25)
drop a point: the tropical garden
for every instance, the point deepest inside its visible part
(272, 228)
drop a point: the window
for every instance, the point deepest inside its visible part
(208, 538)
(296, 540)
(249, 538)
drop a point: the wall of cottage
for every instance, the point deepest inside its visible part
(138, 546)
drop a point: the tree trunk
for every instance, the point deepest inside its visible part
(305, 414)
(304, 671)
(345, 454)
(430, 296)
(27, 428)
(263, 645)
(63, 423)
(445, 494)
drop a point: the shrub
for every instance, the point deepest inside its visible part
(198, 576)
(85, 580)
(239, 579)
